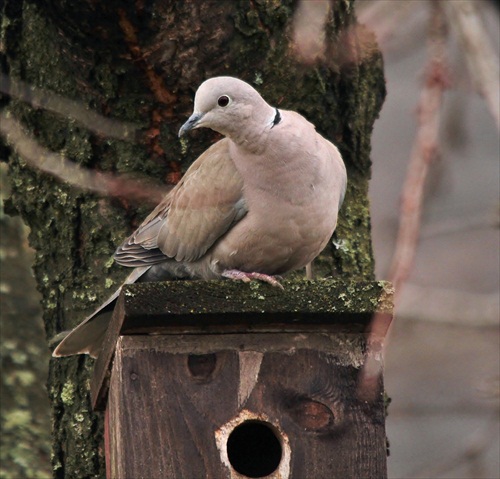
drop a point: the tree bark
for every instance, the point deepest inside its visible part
(140, 62)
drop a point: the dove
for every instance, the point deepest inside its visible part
(258, 203)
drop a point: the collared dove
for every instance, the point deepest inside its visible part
(260, 202)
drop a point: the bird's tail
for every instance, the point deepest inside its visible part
(88, 336)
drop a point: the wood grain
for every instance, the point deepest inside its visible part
(165, 420)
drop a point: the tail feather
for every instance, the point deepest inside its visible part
(87, 337)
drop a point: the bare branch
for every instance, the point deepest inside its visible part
(386, 19)
(425, 150)
(309, 30)
(482, 62)
(108, 184)
(38, 98)
(310, 45)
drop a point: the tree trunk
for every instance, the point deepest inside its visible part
(140, 62)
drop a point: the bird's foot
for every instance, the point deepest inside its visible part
(247, 277)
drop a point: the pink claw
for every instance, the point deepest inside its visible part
(247, 277)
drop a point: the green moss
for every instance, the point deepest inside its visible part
(298, 295)
(67, 393)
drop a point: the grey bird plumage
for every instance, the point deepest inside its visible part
(260, 202)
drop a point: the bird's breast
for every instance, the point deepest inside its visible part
(292, 195)
(280, 233)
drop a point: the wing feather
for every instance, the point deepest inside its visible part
(198, 211)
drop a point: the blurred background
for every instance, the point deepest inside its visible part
(443, 354)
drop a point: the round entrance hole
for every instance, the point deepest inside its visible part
(253, 449)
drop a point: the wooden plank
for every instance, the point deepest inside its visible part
(349, 349)
(99, 383)
(225, 301)
(224, 307)
(172, 411)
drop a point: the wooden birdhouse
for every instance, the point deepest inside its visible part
(228, 380)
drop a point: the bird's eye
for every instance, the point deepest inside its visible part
(223, 101)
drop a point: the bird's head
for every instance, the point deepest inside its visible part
(229, 106)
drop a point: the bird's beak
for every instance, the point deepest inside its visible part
(191, 123)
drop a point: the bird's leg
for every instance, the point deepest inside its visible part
(247, 277)
(309, 271)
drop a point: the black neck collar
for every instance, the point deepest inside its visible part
(277, 118)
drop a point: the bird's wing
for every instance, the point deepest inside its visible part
(199, 210)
